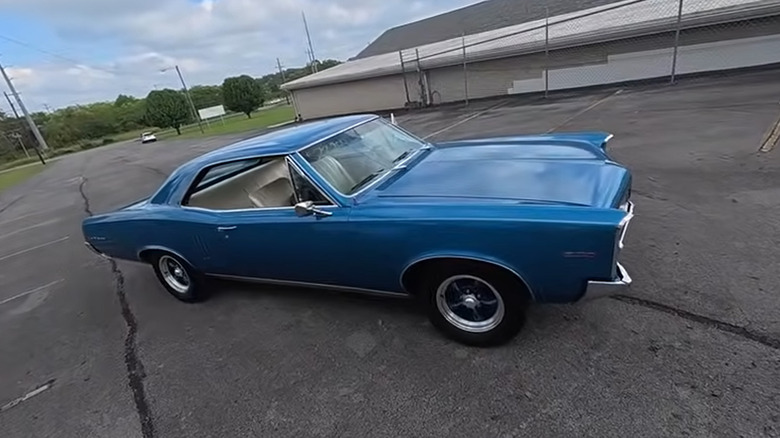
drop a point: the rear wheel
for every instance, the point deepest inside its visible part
(178, 277)
(474, 303)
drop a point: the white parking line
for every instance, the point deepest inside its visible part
(29, 395)
(593, 105)
(31, 291)
(24, 251)
(24, 216)
(31, 227)
(467, 119)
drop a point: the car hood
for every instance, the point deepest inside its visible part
(567, 172)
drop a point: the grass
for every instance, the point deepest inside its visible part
(234, 123)
(15, 176)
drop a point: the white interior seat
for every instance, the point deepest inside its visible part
(274, 194)
(332, 170)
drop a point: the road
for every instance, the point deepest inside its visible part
(97, 349)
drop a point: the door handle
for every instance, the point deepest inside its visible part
(220, 229)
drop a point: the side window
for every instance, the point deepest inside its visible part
(246, 184)
(305, 190)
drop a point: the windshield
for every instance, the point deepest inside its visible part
(354, 158)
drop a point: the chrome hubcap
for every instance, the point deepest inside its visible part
(174, 274)
(470, 303)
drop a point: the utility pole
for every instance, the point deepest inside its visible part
(187, 95)
(312, 57)
(13, 108)
(41, 142)
(189, 98)
(281, 72)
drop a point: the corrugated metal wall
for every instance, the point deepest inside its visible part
(710, 48)
(352, 97)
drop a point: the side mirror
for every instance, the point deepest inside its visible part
(307, 208)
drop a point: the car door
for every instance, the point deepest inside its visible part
(278, 244)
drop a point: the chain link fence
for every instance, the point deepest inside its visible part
(16, 142)
(632, 41)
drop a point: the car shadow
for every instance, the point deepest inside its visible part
(311, 296)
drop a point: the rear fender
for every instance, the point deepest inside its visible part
(465, 256)
(157, 248)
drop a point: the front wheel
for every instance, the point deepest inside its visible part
(476, 304)
(179, 278)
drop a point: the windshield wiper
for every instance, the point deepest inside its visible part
(402, 156)
(367, 179)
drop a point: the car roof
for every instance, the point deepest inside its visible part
(287, 139)
(279, 141)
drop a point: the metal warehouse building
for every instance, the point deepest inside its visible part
(609, 43)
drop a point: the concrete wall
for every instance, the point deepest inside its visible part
(727, 46)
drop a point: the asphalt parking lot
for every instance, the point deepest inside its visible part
(94, 349)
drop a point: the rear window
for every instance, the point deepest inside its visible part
(224, 171)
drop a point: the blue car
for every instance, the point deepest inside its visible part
(475, 230)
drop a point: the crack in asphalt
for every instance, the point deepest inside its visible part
(84, 197)
(14, 201)
(135, 368)
(743, 332)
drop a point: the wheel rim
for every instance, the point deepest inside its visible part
(470, 303)
(174, 274)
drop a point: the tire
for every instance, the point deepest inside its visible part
(452, 292)
(179, 278)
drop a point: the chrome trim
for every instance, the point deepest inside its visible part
(623, 225)
(172, 199)
(95, 250)
(328, 137)
(292, 162)
(600, 289)
(477, 259)
(289, 161)
(308, 285)
(620, 234)
(243, 210)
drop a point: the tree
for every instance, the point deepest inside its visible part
(123, 100)
(328, 63)
(167, 109)
(205, 96)
(242, 94)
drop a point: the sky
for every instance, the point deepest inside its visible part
(67, 52)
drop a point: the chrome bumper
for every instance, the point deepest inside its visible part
(601, 289)
(93, 249)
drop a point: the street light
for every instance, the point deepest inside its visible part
(186, 93)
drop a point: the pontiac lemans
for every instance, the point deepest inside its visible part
(475, 230)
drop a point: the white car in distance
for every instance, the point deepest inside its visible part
(148, 137)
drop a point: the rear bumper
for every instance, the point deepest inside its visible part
(601, 289)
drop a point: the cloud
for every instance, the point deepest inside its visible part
(209, 39)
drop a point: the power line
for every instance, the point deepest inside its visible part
(55, 55)
(42, 146)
